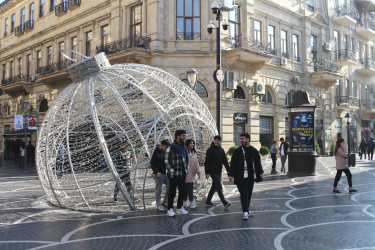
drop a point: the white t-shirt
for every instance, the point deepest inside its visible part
(282, 149)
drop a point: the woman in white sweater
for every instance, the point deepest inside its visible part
(193, 171)
(342, 166)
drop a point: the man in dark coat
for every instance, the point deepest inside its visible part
(321, 145)
(245, 160)
(370, 148)
(213, 164)
(283, 153)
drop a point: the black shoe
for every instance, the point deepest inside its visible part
(227, 204)
(336, 191)
(114, 198)
(209, 204)
(353, 191)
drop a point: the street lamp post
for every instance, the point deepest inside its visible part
(192, 76)
(216, 9)
(347, 116)
(26, 106)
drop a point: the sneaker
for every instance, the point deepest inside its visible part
(209, 204)
(353, 190)
(245, 216)
(193, 205)
(181, 211)
(161, 208)
(227, 204)
(171, 213)
(250, 214)
(186, 204)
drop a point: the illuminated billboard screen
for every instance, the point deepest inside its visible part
(302, 131)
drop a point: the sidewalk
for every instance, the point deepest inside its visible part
(290, 213)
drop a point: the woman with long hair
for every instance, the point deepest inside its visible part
(341, 157)
(190, 177)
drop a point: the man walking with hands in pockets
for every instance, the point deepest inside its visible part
(245, 168)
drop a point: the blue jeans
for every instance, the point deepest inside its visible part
(158, 188)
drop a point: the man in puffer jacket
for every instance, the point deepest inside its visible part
(215, 158)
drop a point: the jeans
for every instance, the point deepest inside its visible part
(338, 176)
(173, 184)
(125, 178)
(158, 188)
(283, 160)
(189, 191)
(246, 189)
(274, 159)
(216, 186)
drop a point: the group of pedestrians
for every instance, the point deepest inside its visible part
(367, 148)
(176, 166)
(283, 155)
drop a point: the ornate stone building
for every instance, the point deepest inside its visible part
(323, 47)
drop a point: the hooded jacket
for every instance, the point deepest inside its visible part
(215, 158)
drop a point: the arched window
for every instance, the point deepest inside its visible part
(43, 107)
(199, 88)
(267, 98)
(289, 98)
(239, 93)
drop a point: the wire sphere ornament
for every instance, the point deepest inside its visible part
(98, 136)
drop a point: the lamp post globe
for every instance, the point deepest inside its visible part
(192, 76)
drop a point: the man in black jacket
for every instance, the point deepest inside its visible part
(159, 167)
(213, 164)
(283, 153)
(244, 160)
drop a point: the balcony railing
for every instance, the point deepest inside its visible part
(29, 25)
(344, 54)
(14, 79)
(74, 3)
(130, 42)
(367, 24)
(241, 41)
(367, 63)
(19, 30)
(54, 67)
(188, 36)
(347, 101)
(369, 104)
(326, 66)
(61, 8)
(346, 11)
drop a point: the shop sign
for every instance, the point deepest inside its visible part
(33, 122)
(240, 117)
(18, 122)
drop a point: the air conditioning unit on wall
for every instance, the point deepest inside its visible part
(259, 88)
(327, 47)
(230, 80)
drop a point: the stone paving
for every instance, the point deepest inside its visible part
(290, 213)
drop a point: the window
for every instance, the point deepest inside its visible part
(234, 23)
(13, 23)
(284, 44)
(88, 43)
(310, 5)
(353, 90)
(23, 17)
(20, 66)
(271, 39)
(73, 42)
(11, 64)
(41, 8)
(49, 55)
(353, 44)
(43, 106)
(8, 110)
(257, 32)
(360, 93)
(266, 130)
(295, 48)
(6, 27)
(239, 93)
(346, 87)
(32, 12)
(199, 88)
(346, 42)
(238, 128)
(289, 98)
(60, 56)
(4, 72)
(287, 129)
(314, 48)
(104, 35)
(136, 21)
(28, 65)
(267, 98)
(52, 4)
(359, 49)
(38, 60)
(188, 20)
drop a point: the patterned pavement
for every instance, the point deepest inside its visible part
(290, 213)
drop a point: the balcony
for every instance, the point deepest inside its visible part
(19, 30)
(15, 85)
(29, 25)
(368, 106)
(61, 8)
(346, 102)
(345, 57)
(244, 50)
(74, 4)
(54, 75)
(366, 4)
(366, 29)
(345, 16)
(130, 49)
(367, 67)
(324, 73)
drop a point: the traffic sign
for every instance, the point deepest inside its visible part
(219, 75)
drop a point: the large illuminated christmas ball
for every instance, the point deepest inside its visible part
(100, 133)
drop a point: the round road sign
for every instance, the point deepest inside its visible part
(219, 75)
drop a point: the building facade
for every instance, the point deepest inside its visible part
(323, 47)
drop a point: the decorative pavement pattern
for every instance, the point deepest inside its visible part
(290, 213)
